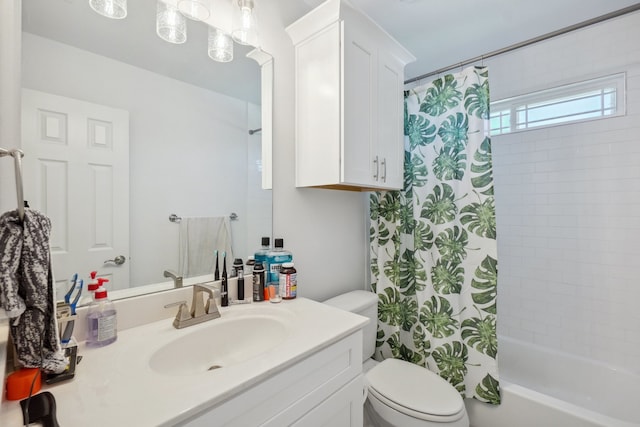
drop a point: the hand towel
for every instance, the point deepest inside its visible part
(27, 292)
(199, 238)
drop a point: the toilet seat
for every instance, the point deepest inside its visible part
(415, 391)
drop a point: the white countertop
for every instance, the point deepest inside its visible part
(115, 386)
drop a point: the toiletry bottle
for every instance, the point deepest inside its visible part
(238, 271)
(258, 281)
(261, 254)
(92, 287)
(224, 288)
(288, 281)
(275, 259)
(250, 262)
(102, 325)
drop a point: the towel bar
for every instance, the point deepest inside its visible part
(175, 218)
(17, 157)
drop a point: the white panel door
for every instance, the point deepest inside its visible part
(76, 171)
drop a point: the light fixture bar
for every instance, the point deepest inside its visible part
(196, 10)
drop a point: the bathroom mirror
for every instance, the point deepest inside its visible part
(190, 150)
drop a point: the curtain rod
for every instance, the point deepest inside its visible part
(525, 43)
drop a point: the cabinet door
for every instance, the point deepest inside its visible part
(390, 118)
(318, 119)
(359, 99)
(341, 409)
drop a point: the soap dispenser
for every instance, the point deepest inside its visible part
(102, 325)
(93, 287)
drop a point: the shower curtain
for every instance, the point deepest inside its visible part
(433, 244)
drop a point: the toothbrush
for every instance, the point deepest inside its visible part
(67, 296)
(216, 273)
(68, 329)
(224, 292)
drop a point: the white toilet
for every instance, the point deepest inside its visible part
(400, 394)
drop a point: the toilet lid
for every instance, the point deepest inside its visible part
(405, 385)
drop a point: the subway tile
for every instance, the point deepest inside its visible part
(568, 204)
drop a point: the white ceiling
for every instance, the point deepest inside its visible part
(438, 32)
(444, 32)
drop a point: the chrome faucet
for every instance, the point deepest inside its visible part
(177, 280)
(199, 311)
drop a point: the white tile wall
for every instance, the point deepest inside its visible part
(568, 203)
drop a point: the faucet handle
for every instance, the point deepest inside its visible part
(183, 311)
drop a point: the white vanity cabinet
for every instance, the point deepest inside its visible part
(297, 363)
(349, 78)
(325, 389)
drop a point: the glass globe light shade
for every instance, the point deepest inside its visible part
(220, 45)
(171, 25)
(245, 23)
(114, 9)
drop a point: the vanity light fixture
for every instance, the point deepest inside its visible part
(197, 10)
(245, 25)
(114, 9)
(220, 45)
(171, 25)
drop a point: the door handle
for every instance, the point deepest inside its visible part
(384, 170)
(119, 260)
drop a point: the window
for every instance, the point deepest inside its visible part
(597, 98)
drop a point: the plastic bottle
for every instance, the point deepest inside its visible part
(261, 254)
(288, 281)
(250, 262)
(238, 271)
(91, 289)
(258, 281)
(102, 325)
(275, 259)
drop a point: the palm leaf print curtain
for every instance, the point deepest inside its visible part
(433, 244)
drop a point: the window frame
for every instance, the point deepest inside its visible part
(511, 106)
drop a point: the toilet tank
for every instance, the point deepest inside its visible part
(364, 303)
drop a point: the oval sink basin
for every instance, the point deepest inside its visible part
(218, 343)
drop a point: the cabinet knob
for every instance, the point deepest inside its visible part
(375, 163)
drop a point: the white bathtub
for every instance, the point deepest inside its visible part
(542, 387)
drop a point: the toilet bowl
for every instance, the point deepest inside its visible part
(400, 393)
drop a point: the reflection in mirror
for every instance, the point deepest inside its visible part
(122, 129)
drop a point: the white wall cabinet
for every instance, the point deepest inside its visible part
(349, 100)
